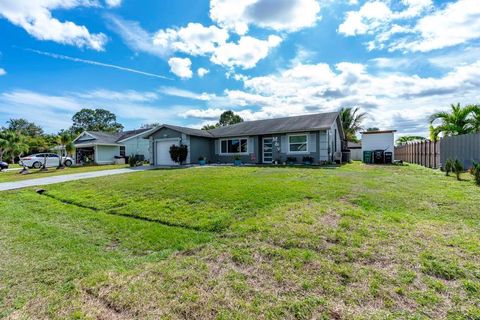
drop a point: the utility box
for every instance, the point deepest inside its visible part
(378, 144)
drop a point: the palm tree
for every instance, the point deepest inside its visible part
(351, 122)
(406, 139)
(17, 145)
(65, 140)
(458, 121)
(4, 138)
(476, 117)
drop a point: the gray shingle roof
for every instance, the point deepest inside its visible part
(105, 137)
(319, 121)
(190, 131)
(112, 137)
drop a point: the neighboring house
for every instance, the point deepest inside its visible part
(262, 141)
(105, 147)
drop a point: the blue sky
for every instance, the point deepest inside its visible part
(184, 62)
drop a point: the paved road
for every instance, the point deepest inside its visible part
(67, 177)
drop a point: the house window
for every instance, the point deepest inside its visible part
(234, 146)
(122, 151)
(298, 143)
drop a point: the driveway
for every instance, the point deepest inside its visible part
(68, 177)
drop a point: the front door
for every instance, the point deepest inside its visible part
(267, 150)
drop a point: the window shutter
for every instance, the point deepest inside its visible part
(217, 146)
(250, 145)
(312, 143)
(284, 144)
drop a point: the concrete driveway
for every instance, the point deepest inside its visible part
(4, 186)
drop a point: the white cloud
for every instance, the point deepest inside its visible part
(132, 108)
(135, 36)
(280, 15)
(418, 27)
(457, 23)
(194, 39)
(246, 53)
(370, 16)
(393, 100)
(208, 114)
(181, 67)
(113, 3)
(36, 18)
(201, 72)
(128, 95)
(176, 92)
(2, 72)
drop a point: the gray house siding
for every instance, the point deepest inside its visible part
(317, 148)
(201, 147)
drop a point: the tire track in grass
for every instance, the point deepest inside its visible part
(126, 215)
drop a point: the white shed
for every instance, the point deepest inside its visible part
(379, 140)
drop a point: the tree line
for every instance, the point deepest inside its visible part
(20, 137)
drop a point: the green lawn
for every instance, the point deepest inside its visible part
(357, 242)
(14, 175)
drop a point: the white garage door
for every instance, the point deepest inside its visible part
(163, 153)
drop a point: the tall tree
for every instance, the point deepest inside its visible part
(458, 121)
(150, 125)
(23, 126)
(95, 120)
(228, 118)
(352, 122)
(406, 139)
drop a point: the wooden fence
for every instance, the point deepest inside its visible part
(465, 148)
(425, 153)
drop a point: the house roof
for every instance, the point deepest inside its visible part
(319, 121)
(354, 145)
(100, 137)
(185, 130)
(379, 131)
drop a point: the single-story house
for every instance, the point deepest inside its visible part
(106, 147)
(263, 141)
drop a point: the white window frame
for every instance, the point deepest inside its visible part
(298, 135)
(235, 153)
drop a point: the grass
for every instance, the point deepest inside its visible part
(9, 176)
(357, 242)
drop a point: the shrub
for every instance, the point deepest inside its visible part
(448, 167)
(457, 168)
(291, 159)
(132, 161)
(308, 159)
(178, 154)
(476, 172)
(201, 158)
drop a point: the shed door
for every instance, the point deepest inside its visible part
(163, 153)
